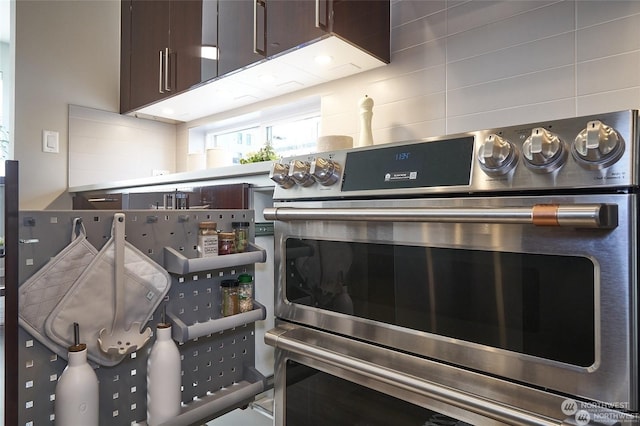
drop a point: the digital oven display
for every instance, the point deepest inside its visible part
(420, 165)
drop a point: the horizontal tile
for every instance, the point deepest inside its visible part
(544, 86)
(522, 114)
(618, 100)
(405, 11)
(409, 111)
(597, 12)
(620, 36)
(607, 74)
(419, 31)
(474, 14)
(404, 86)
(418, 57)
(530, 57)
(410, 132)
(555, 19)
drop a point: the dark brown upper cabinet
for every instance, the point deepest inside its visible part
(171, 46)
(364, 23)
(160, 49)
(240, 34)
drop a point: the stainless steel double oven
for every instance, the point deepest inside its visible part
(483, 278)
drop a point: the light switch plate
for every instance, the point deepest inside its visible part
(50, 141)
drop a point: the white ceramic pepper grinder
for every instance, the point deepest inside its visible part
(163, 377)
(77, 388)
(366, 112)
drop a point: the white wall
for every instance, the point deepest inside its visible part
(468, 65)
(109, 147)
(67, 52)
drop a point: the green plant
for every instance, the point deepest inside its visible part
(266, 153)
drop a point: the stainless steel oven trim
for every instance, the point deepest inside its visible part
(463, 394)
(608, 380)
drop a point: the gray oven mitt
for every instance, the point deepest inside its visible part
(40, 294)
(90, 301)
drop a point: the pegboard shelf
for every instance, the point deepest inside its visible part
(226, 399)
(176, 263)
(183, 332)
(217, 369)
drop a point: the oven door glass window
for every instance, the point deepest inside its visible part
(317, 398)
(535, 304)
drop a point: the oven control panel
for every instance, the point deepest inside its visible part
(597, 151)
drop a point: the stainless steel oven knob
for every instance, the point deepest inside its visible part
(299, 171)
(280, 175)
(326, 172)
(597, 146)
(543, 151)
(497, 156)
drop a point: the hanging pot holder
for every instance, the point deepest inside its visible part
(90, 301)
(40, 294)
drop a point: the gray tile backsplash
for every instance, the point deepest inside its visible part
(609, 73)
(597, 12)
(526, 58)
(609, 38)
(543, 22)
(474, 14)
(463, 65)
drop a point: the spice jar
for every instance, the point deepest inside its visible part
(241, 231)
(226, 243)
(207, 239)
(230, 304)
(245, 292)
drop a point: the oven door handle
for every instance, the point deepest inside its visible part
(565, 215)
(278, 338)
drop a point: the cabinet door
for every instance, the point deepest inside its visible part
(150, 22)
(185, 44)
(240, 33)
(209, 40)
(365, 23)
(291, 23)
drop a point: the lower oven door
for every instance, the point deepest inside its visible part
(473, 283)
(324, 379)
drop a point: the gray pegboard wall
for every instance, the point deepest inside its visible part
(218, 371)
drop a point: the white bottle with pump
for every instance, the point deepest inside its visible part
(163, 378)
(77, 389)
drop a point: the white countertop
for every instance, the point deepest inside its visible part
(256, 174)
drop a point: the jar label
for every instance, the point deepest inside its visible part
(207, 245)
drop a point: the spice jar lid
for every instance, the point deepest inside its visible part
(245, 278)
(208, 225)
(229, 283)
(229, 235)
(240, 224)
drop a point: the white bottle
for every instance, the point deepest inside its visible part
(163, 378)
(366, 113)
(77, 390)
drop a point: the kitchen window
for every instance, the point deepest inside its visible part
(292, 129)
(295, 136)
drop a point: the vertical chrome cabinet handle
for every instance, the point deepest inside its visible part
(29, 241)
(262, 4)
(318, 23)
(166, 69)
(160, 72)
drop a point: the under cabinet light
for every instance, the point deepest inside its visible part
(267, 78)
(323, 59)
(209, 52)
